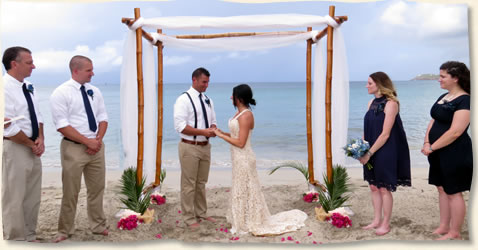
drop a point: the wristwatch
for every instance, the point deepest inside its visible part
(369, 153)
(430, 148)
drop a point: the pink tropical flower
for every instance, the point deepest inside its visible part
(309, 233)
(310, 197)
(159, 236)
(158, 199)
(290, 238)
(339, 220)
(129, 223)
(282, 239)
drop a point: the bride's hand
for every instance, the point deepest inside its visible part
(218, 132)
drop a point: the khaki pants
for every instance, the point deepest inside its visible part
(21, 191)
(195, 161)
(75, 162)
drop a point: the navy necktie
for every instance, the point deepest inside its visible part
(89, 112)
(204, 111)
(31, 110)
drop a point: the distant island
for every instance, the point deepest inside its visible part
(426, 77)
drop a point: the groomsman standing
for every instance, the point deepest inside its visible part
(79, 114)
(23, 144)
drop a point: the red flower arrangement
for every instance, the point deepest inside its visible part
(129, 223)
(158, 199)
(339, 220)
(310, 196)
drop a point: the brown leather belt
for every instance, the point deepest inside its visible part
(70, 140)
(200, 143)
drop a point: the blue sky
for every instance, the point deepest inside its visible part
(402, 38)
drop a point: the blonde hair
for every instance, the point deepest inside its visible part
(385, 86)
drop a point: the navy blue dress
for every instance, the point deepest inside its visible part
(452, 166)
(391, 163)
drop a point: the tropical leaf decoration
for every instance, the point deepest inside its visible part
(337, 191)
(132, 194)
(296, 165)
(162, 176)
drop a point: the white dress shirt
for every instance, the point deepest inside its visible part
(184, 114)
(16, 105)
(68, 109)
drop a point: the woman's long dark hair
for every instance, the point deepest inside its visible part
(460, 71)
(243, 93)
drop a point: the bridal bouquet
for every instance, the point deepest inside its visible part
(356, 149)
(311, 196)
(158, 198)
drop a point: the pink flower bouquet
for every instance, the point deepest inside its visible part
(311, 196)
(129, 223)
(339, 220)
(158, 198)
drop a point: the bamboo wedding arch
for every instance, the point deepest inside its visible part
(140, 33)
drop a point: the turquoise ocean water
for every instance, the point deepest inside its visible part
(280, 128)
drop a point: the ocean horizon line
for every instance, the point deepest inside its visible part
(236, 82)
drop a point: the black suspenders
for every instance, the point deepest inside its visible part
(195, 113)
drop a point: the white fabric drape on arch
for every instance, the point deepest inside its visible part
(129, 91)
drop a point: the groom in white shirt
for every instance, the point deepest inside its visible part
(195, 120)
(79, 114)
(23, 144)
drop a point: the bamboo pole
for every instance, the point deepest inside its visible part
(328, 97)
(339, 20)
(139, 71)
(309, 109)
(159, 143)
(238, 34)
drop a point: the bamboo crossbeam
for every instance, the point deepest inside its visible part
(139, 71)
(309, 108)
(237, 34)
(130, 21)
(159, 143)
(328, 97)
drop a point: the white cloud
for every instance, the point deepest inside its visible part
(104, 57)
(395, 14)
(237, 55)
(425, 20)
(31, 16)
(176, 60)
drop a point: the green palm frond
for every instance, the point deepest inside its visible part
(296, 165)
(337, 190)
(131, 193)
(162, 176)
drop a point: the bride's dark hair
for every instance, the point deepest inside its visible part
(243, 94)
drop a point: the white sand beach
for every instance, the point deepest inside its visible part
(415, 213)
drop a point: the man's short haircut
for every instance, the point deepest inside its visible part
(200, 71)
(12, 54)
(76, 62)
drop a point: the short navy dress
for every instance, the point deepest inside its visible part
(451, 166)
(391, 163)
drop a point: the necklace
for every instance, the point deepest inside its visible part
(448, 98)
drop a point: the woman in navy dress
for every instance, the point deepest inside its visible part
(389, 154)
(448, 147)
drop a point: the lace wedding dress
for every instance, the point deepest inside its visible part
(249, 211)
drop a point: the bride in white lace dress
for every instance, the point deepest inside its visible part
(248, 211)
